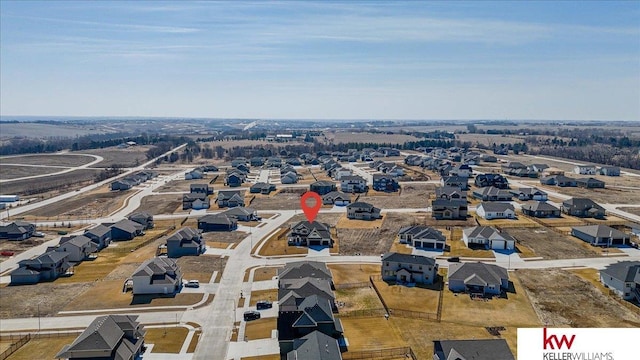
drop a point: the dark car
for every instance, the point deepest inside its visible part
(251, 315)
(453, 259)
(264, 304)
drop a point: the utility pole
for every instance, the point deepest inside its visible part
(38, 318)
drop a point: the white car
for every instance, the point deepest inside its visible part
(192, 283)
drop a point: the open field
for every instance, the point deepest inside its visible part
(521, 221)
(514, 310)
(352, 273)
(489, 139)
(201, 267)
(338, 137)
(605, 196)
(401, 297)
(361, 298)
(260, 329)
(631, 210)
(593, 277)
(166, 340)
(13, 172)
(50, 160)
(160, 204)
(562, 299)
(552, 245)
(51, 184)
(42, 348)
(100, 202)
(410, 196)
(346, 223)
(128, 157)
(49, 298)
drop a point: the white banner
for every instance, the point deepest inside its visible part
(578, 344)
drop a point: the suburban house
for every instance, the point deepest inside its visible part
(491, 193)
(476, 349)
(323, 187)
(305, 287)
(421, 236)
(310, 234)
(289, 178)
(315, 345)
(242, 214)
(159, 275)
(362, 211)
(585, 169)
(126, 229)
(512, 166)
(339, 173)
(582, 207)
(462, 170)
(496, 210)
(590, 183)
(539, 168)
(143, 218)
(256, 161)
(407, 268)
(353, 184)
(600, 235)
(337, 198)
(195, 201)
(262, 188)
(609, 171)
(201, 188)
(385, 183)
(304, 269)
(185, 242)
(559, 180)
(495, 180)
(454, 209)
(552, 171)
(234, 179)
(455, 181)
(193, 175)
(230, 198)
(108, 337)
(540, 209)
(122, 185)
(100, 235)
(217, 222)
(477, 278)
(78, 247)
(623, 278)
(46, 267)
(17, 230)
(488, 237)
(450, 193)
(530, 194)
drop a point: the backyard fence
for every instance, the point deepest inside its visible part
(144, 243)
(362, 313)
(402, 312)
(380, 354)
(15, 346)
(352, 285)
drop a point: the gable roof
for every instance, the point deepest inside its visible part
(493, 206)
(218, 219)
(489, 273)
(157, 267)
(228, 194)
(600, 231)
(624, 271)
(422, 232)
(408, 259)
(98, 231)
(486, 349)
(301, 269)
(360, 204)
(487, 232)
(127, 225)
(581, 203)
(239, 211)
(315, 346)
(333, 195)
(539, 206)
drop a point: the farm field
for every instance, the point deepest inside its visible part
(129, 157)
(8, 172)
(97, 203)
(350, 137)
(562, 298)
(552, 245)
(51, 185)
(48, 160)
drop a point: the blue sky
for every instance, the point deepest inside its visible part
(322, 60)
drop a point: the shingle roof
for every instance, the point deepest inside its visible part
(301, 269)
(487, 232)
(422, 232)
(489, 273)
(539, 206)
(315, 346)
(496, 206)
(625, 270)
(489, 349)
(99, 230)
(219, 219)
(408, 259)
(600, 231)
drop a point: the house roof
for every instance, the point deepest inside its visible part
(408, 259)
(127, 226)
(79, 241)
(142, 215)
(493, 191)
(104, 333)
(581, 203)
(156, 267)
(600, 231)
(624, 271)
(48, 258)
(321, 228)
(539, 206)
(99, 230)
(333, 195)
(450, 190)
(185, 237)
(529, 191)
(305, 287)
(487, 232)
(301, 269)
(493, 206)
(489, 273)
(449, 203)
(422, 232)
(315, 346)
(360, 204)
(217, 219)
(352, 178)
(486, 349)
(589, 181)
(228, 194)
(239, 211)
(323, 183)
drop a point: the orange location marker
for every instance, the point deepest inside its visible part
(310, 211)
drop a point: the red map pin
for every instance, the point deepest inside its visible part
(310, 211)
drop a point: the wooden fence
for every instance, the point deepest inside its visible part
(380, 354)
(401, 312)
(362, 313)
(15, 346)
(352, 285)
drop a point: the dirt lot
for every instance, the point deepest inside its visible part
(98, 203)
(14, 172)
(410, 196)
(52, 160)
(552, 245)
(224, 236)
(521, 221)
(286, 199)
(51, 185)
(51, 298)
(604, 196)
(129, 157)
(160, 204)
(201, 267)
(562, 298)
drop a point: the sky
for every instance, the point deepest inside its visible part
(322, 60)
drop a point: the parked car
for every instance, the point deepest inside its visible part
(251, 315)
(192, 284)
(264, 304)
(454, 259)
(38, 234)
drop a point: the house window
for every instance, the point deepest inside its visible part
(420, 268)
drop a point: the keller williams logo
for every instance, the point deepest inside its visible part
(550, 340)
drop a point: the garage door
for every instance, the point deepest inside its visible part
(428, 245)
(314, 242)
(417, 244)
(439, 246)
(618, 241)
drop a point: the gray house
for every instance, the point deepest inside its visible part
(185, 242)
(450, 193)
(478, 278)
(623, 278)
(315, 345)
(323, 187)
(17, 230)
(242, 214)
(484, 349)
(143, 218)
(488, 237)
(406, 268)
(582, 207)
(46, 267)
(78, 248)
(304, 269)
(337, 198)
(217, 222)
(230, 198)
(421, 236)
(100, 235)
(107, 337)
(491, 193)
(600, 235)
(529, 194)
(158, 275)
(362, 211)
(310, 234)
(126, 229)
(454, 209)
(609, 171)
(540, 209)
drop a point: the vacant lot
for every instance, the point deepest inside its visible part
(129, 157)
(52, 184)
(631, 210)
(375, 241)
(565, 220)
(276, 244)
(352, 273)
(228, 237)
(13, 172)
(184, 185)
(283, 200)
(605, 196)
(401, 297)
(98, 203)
(262, 273)
(160, 204)
(42, 348)
(410, 196)
(361, 298)
(372, 333)
(166, 340)
(260, 329)
(49, 298)
(50, 160)
(521, 221)
(552, 245)
(346, 223)
(201, 267)
(270, 295)
(562, 299)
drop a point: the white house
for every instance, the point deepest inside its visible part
(488, 237)
(496, 210)
(585, 169)
(341, 173)
(159, 275)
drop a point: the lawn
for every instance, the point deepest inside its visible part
(271, 295)
(561, 221)
(194, 342)
(43, 348)
(362, 298)
(521, 221)
(458, 248)
(401, 297)
(166, 340)
(514, 310)
(352, 273)
(372, 333)
(260, 329)
(277, 245)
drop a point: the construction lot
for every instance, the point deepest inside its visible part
(608, 195)
(160, 204)
(284, 199)
(550, 244)
(562, 298)
(409, 196)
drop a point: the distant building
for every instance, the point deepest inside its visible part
(585, 169)
(609, 171)
(17, 230)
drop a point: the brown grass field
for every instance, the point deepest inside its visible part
(350, 136)
(277, 245)
(166, 340)
(50, 160)
(631, 210)
(271, 295)
(223, 236)
(8, 172)
(201, 267)
(185, 185)
(129, 157)
(521, 221)
(160, 204)
(563, 221)
(552, 245)
(372, 333)
(345, 223)
(562, 298)
(260, 329)
(194, 342)
(608, 195)
(282, 200)
(265, 273)
(410, 196)
(401, 297)
(352, 273)
(42, 348)
(362, 298)
(51, 185)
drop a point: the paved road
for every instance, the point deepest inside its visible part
(359, 171)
